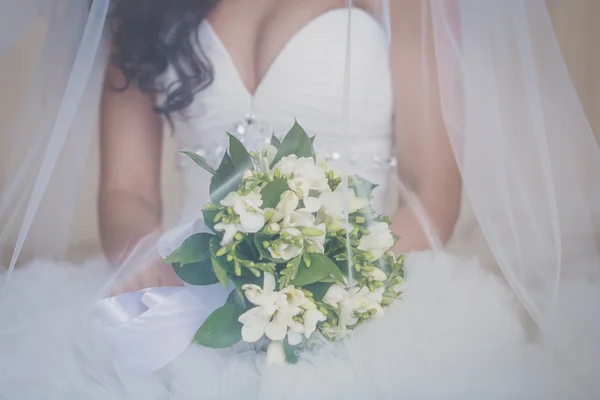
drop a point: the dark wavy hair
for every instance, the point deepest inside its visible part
(151, 35)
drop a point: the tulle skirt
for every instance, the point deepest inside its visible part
(457, 333)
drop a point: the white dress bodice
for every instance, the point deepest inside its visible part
(304, 82)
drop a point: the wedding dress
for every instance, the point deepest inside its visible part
(459, 331)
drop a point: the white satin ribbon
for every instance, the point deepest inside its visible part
(150, 328)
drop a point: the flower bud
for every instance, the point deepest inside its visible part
(310, 232)
(238, 236)
(221, 252)
(273, 229)
(229, 258)
(247, 174)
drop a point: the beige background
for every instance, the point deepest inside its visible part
(576, 27)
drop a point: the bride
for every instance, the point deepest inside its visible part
(414, 96)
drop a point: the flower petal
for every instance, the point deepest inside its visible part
(275, 353)
(276, 330)
(294, 338)
(251, 334)
(312, 204)
(268, 282)
(251, 222)
(311, 318)
(334, 295)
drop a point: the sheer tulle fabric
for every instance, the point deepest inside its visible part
(491, 69)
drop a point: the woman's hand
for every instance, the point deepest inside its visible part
(158, 274)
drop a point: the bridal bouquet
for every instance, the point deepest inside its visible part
(300, 246)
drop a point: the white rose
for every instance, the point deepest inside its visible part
(378, 241)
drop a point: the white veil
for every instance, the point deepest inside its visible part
(529, 162)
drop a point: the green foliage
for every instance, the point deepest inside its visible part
(228, 176)
(271, 193)
(193, 264)
(295, 142)
(222, 328)
(200, 161)
(321, 268)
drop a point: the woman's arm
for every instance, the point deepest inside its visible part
(130, 158)
(426, 164)
(130, 204)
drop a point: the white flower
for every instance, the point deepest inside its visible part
(290, 248)
(311, 318)
(288, 202)
(376, 274)
(307, 175)
(312, 204)
(399, 288)
(378, 241)
(318, 242)
(274, 312)
(275, 353)
(333, 203)
(354, 300)
(334, 295)
(271, 152)
(256, 320)
(295, 332)
(248, 208)
(287, 165)
(295, 297)
(247, 174)
(229, 231)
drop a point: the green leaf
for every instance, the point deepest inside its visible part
(290, 352)
(174, 257)
(236, 299)
(259, 238)
(321, 268)
(271, 193)
(220, 272)
(214, 246)
(396, 238)
(362, 187)
(318, 289)
(295, 142)
(209, 219)
(195, 248)
(198, 273)
(194, 265)
(275, 142)
(200, 161)
(224, 181)
(312, 140)
(239, 155)
(222, 328)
